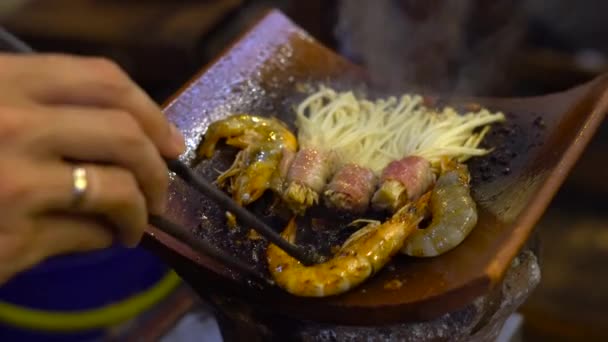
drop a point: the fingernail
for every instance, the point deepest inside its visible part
(178, 139)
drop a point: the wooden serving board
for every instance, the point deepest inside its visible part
(535, 151)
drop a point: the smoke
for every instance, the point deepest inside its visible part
(455, 46)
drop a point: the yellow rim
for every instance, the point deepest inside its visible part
(103, 317)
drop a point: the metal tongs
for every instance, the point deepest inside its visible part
(11, 43)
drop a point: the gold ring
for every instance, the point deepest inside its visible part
(79, 185)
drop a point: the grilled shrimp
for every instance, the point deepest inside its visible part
(454, 215)
(267, 146)
(360, 257)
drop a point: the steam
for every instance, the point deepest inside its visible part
(410, 45)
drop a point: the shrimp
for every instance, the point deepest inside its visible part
(454, 215)
(360, 257)
(266, 146)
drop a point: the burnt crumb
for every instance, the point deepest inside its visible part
(507, 129)
(486, 177)
(255, 256)
(472, 107)
(484, 165)
(430, 102)
(394, 284)
(255, 284)
(509, 153)
(539, 122)
(483, 171)
(506, 171)
(502, 159)
(254, 235)
(318, 224)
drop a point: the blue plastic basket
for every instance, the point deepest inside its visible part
(76, 297)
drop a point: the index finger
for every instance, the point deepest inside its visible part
(98, 82)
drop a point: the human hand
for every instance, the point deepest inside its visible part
(57, 110)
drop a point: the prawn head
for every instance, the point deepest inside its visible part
(264, 142)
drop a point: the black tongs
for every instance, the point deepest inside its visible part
(11, 43)
(305, 256)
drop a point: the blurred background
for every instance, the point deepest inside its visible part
(498, 48)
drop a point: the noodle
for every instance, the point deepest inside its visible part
(374, 133)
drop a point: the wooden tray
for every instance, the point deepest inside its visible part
(535, 151)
